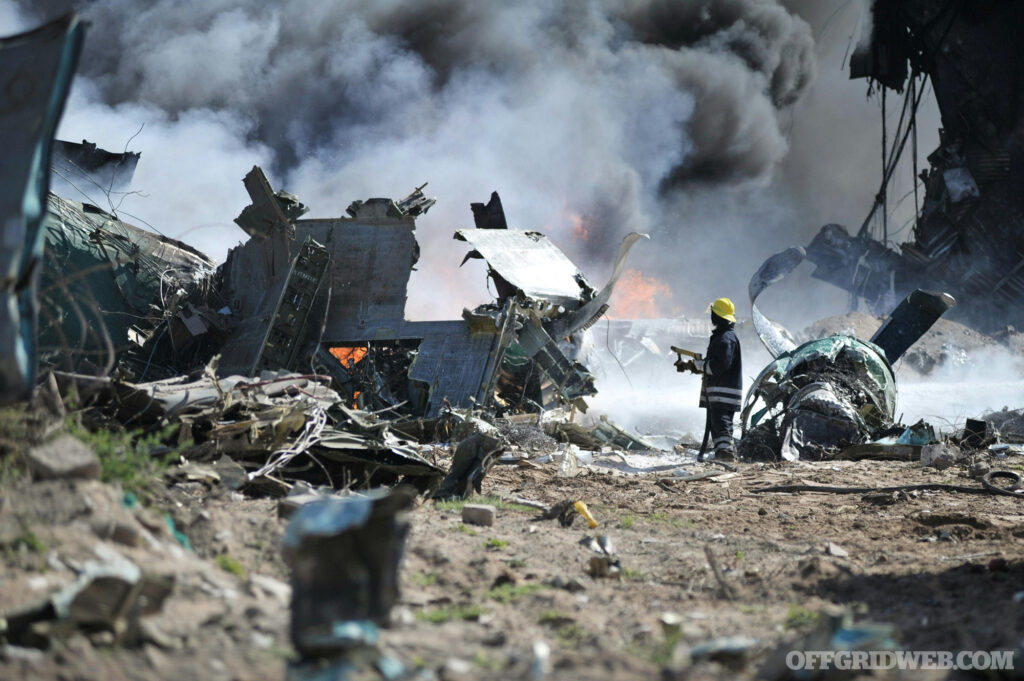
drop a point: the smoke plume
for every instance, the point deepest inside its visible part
(645, 115)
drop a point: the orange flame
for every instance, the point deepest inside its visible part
(580, 226)
(638, 296)
(349, 356)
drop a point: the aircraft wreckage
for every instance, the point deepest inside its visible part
(828, 393)
(968, 230)
(300, 337)
(321, 296)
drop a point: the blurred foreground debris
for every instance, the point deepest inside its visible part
(36, 70)
(345, 556)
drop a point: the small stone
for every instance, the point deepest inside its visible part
(262, 641)
(63, 457)
(574, 585)
(153, 635)
(978, 469)
(103, 638)
(836, 550)
(478, 514)
(125, 533)
(998, 565)
(457, 670)
(496, 639)
(263, 584)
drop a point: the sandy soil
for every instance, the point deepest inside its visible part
(944, 568)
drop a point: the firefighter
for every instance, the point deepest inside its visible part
(722, 383)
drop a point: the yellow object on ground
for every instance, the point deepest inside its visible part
(585, 512)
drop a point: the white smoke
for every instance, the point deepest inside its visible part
(612, 110)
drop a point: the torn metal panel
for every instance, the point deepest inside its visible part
(530, 263)
(608, 433)
(457, 362)
(110, 290)
(775, 337)
(490, 215)
(592, 310)
(371, 259)
(562, 381)
(860, 265)
(266, 214)
(84, 170)
(286, 333)
(417, 203)
(36, 69)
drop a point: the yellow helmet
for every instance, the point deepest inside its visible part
(724, 308)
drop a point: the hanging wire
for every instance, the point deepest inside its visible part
(913, 143)
(885, 164)
(898, 144)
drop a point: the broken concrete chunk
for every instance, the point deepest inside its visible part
(63, 457)
(937, 456)
(478, 514)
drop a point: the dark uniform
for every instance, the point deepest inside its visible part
(722, 387)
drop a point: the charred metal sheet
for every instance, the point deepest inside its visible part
(286, 333)
(371, 259)
(84, 170)
(36, 69)
(110, 289)
(530, 263)
(455, 364)
(266, 214)
(968, 234)
(490, 215)
(911, 320)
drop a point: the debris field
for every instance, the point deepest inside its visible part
(262, 469)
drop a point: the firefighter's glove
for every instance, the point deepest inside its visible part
(688, 365)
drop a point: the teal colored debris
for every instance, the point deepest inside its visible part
(176, 533)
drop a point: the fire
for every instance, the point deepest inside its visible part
(349, 356)
(580, 226)
(638, 296)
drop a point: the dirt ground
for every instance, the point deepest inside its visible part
(944, 568)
